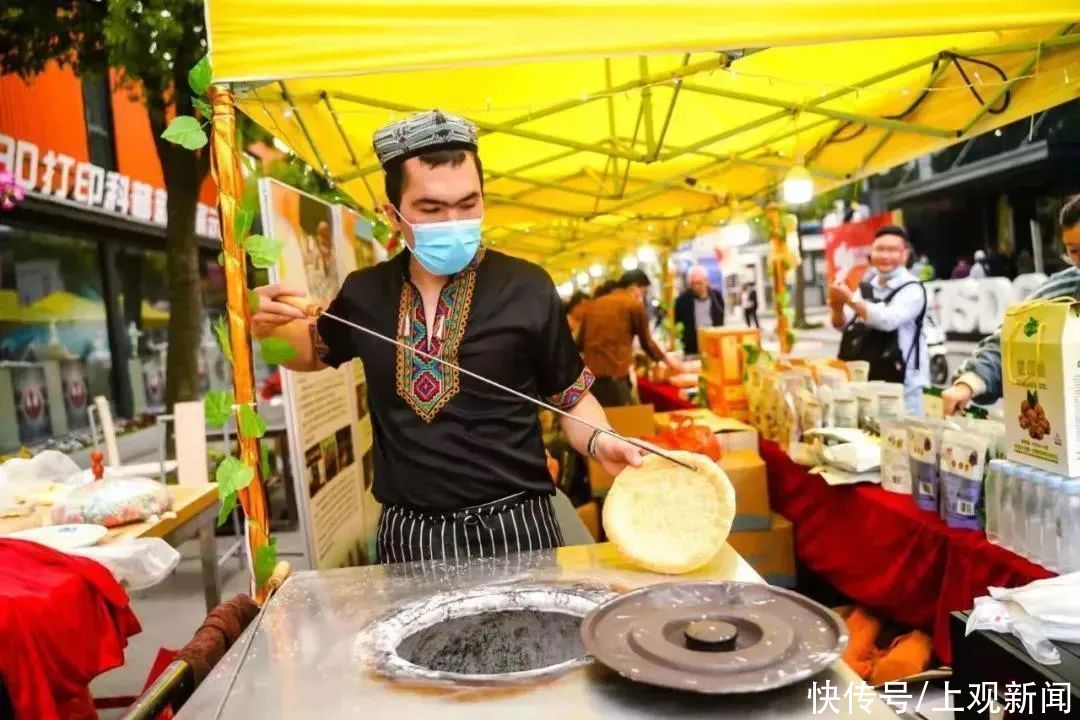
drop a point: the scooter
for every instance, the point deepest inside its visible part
(935, 345)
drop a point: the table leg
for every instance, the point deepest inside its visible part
(211, 578)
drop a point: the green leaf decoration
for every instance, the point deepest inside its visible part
(221, 259)
(228, 504)
(232, 475)
(790, 339)
(1032, 398)
(221, 330)
(199, 76)
(218, 405)
(1031, 327)
(203, 107)
(264, 453)
(265, 560)
(263, 251)
(251, 424)
(381, 232)
(242, 224)
(253, 301)
(275, 351)
(186, 132)
(753, 352)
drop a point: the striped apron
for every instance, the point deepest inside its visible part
(520, 522)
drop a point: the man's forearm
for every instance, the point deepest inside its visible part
(298, 334)
(578, 434)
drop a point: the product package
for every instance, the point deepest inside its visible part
(890, 402)
(924, 451)
(866, 408)
(845, 410)
(895, 463)
(963, 463)
(113, 502)
(1040, 364)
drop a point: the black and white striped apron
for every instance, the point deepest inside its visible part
(517, 523)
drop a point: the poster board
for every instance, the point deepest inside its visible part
(847, 249)
(357, 233)
(320, 408)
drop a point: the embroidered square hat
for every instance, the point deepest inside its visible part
(422, 133)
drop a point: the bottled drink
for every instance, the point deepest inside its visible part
(1051, 496)
(1017, 540)
(995, 478)
(1033, 497)
(1009, 480)
(1069, 520)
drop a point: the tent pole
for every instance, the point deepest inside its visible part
(225, 165)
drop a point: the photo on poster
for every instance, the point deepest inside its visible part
(76, 394)
(313, 463)
(369, 470)
(330, 458)
(31, 403)
(346, 454)
(361, 398)
(305, 225)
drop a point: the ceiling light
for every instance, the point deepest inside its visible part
(798, 186)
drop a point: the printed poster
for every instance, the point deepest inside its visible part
(320, 407)
(847, 249)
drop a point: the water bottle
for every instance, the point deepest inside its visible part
(1009, 480)
(992, 488)
(1069, 522)
(1051, 497)
(1017, 539)
(1033, 497)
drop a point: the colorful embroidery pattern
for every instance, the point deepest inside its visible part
(321, 348)
(427, 385)
(569, 397)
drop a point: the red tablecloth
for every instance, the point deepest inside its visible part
(64, 620)
(664, 397)
(885, 553)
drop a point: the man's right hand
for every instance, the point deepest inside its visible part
(272, 313)
(956, 398)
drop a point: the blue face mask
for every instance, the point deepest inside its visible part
(445, 248)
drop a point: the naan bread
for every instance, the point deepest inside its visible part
(669, 519)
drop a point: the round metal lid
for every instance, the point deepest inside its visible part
(714, 637)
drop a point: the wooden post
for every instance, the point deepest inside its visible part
(225, 165)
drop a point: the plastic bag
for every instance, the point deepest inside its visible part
(113, 502)
(137, 563)
(689, 436)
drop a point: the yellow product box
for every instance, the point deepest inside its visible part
(722, 354)
(746, 470)
(771, 552)
(1040, 368)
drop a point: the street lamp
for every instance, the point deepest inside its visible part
(798, 186)
(646, 255)
(736, 232)
(629, 263)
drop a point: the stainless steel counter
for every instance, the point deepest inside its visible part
(301, 662)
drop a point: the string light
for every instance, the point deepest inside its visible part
(597, 270)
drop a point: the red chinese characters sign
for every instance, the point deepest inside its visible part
(847, 249)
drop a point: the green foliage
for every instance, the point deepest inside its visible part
(253, 301)
(242, 223)
(186, 132)
(232, 476)
(199, 76)
(251, 423)
(265, 560)
(221, 331)
(218, 404)
(263, 251)
(228, 504)
(380, 231)
(203, 108)
(275, 351)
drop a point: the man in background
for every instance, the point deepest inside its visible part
(698, 306)
(980, 268)
(608, 329)
(749, 302)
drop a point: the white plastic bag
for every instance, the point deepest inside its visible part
(136, 564)
(1037, 613)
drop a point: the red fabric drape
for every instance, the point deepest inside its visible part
(664, 397)
(64, 620)
(886, 554)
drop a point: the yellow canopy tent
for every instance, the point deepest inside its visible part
(607, 124)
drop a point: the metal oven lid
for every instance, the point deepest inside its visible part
(714, 637)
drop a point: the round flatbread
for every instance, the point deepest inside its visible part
(667, 518)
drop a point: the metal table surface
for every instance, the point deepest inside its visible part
(301, 662)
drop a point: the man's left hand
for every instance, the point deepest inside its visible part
(616, 455)
(840, 294)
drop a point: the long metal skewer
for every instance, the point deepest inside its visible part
(523, 396)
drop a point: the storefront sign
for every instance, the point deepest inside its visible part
(55, 176)
(977, 306)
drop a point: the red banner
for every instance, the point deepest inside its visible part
(847, 249)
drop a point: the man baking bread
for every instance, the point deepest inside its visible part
(459, 466)
(979, 378)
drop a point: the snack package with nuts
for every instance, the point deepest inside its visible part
(924, 451)
(1040, 368)
(895, 463)
(963, 462)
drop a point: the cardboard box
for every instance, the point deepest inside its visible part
(732, 434)
(746, 470)
(632, 421)
(1040, 364)
(770, 552)
(722, 354)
